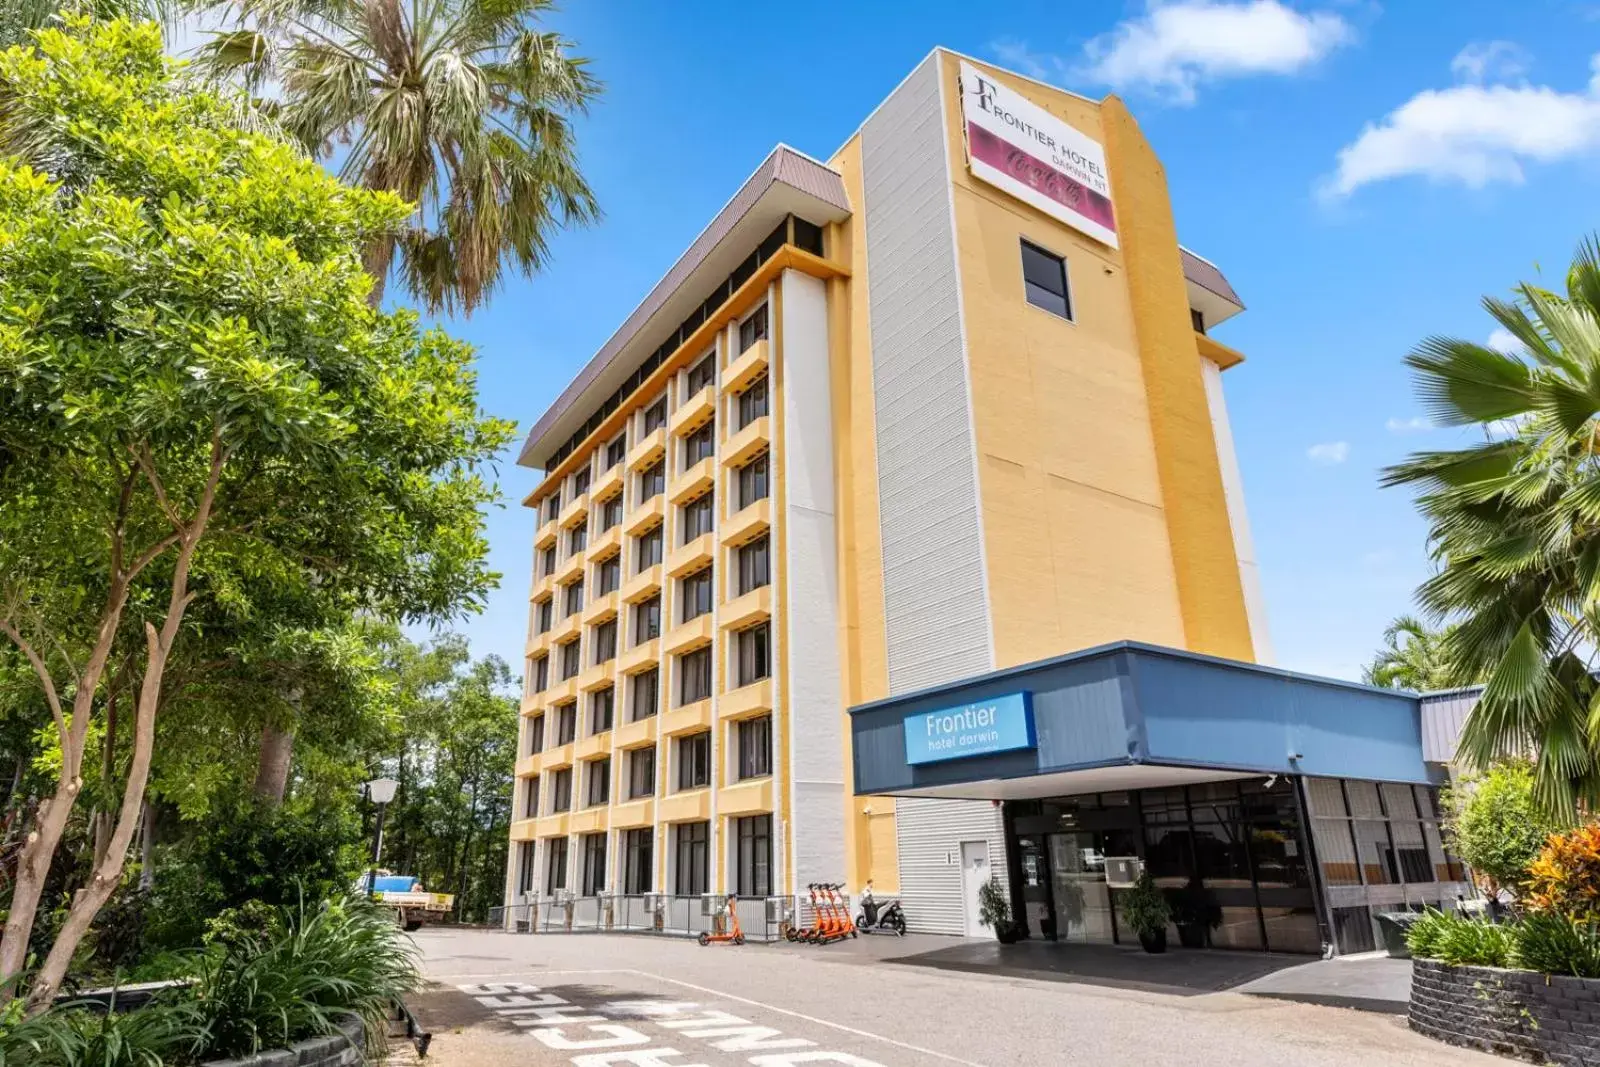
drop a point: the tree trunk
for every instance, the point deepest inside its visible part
(147, 847)
(108, 760)
(466, 852)
(272, 766)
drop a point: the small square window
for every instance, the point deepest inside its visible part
(1044, 277)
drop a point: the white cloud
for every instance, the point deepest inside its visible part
(1503, 340)
(1415, 424)
(1329, 453)
(1474, 134)
(1490, 61)
(1173, 47)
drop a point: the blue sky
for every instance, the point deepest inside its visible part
(1363, 173)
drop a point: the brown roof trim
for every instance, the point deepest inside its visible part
(784, 166)
(1207, 276)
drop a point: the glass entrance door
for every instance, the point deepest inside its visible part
(1078, 883)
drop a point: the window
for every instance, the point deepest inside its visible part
(615, 451)
(530, 799)
(605, 641)
(694, 676)
(753, 402)
(1044, 279)
(702, 374)
(602, 709)
(655, 416)
(574, 597)
(753, 481)
(541, 673)
(552, 508)
(694, 760)
(646, 698)
(599, 782)
(653, 482)
(577, 539)
(610, 574)
(571, 664)
(525, 867)
(547, 562)
(535, 735)
(638, 861)
(594, 864)
(545, 611)
(647, 620)
(611, 513)
(580, 482)
(699, 445)
(696, 593)
(557, 864)
(566, 723)
(641, 773)
(753, 859)
(1197, 319)
(755, 564)
(691, 876)
(755, 747)
(697, 517)
(755, 654)
(753, 329)
(649, 550)
(561, 790)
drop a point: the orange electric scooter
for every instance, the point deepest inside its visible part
(805, 933)
(835, 923)
(729, 932)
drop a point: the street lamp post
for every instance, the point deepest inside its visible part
(380, 791)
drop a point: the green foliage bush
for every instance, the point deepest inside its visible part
(1552, 943)
(1543, 941)
(1494, 823)
(159, 1035)
(1144, 907)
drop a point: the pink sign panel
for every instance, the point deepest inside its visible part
(1040, 176)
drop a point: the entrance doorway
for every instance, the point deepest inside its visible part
(1079, 895)
(974, 873)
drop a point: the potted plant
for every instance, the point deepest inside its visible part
(1145, 910)
(1195, 913)
(994, 911)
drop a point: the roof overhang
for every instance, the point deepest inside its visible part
(787, 182)
(1209, 291)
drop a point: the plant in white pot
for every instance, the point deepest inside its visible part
(994, 911)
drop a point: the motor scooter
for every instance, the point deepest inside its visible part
(888, 918)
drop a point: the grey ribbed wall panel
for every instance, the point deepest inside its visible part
(1442, 719)
(936, 613)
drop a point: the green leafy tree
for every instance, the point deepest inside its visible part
(1413, 657)
(462, 107)
(1515, 528)
(193, 385)
(1494, 823)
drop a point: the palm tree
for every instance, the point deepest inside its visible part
(19, 18)
(1515, 528)
(1413, 657)
(462, 107)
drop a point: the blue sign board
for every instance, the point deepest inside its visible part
(999, 724)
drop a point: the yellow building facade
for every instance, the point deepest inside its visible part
(943, 404)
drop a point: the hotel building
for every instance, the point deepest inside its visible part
(894, 426)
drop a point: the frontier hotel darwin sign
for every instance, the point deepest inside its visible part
(1019, 147)
(999, 724)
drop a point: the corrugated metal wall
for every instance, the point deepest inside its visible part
(1443, 717)
(935, 602)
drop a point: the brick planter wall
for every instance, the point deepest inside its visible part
(1545, 1019)
(337, 1050)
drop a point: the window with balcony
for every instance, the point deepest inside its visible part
(694, 760)
(599, 782)
(753, 328)
(609, 574)
(542, 612)
(755, 564)
(653, 481)
(641, 773)
(695, 591)
(1044, 280)
(691, 872)
(573, 597)
(694, 676)
(616, 451)
(754, 654)
(698, 516)
(541, 673)
(605, 641)
(580, 482)
(647, 620)
(755, 747)
(556, 865)
(753, 402)
(648, 553)
(571, 660)
(645, 699)
(701, 375)
(699, 445)
(547, 562)
(566, 723)
(526, 866)
(561, 790)
(611, 513)
(577, 539)
(552, 507)
(655, 416)
(753, 856)
(535, 735)
(594, 864)
(638, 861)
(602, 709)
(530, 799)
(753, 481)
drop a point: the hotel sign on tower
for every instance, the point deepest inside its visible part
(1022, 149)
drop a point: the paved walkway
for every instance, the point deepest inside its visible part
(504, 1000)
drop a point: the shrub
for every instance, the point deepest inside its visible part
(1459, 940)
(1497, 828)
(1144, 908)
(1565, 876)
(1552, 943)
(1422, 937)
(76, 1035)
(994, 907)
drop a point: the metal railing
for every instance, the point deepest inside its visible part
(660, 914)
